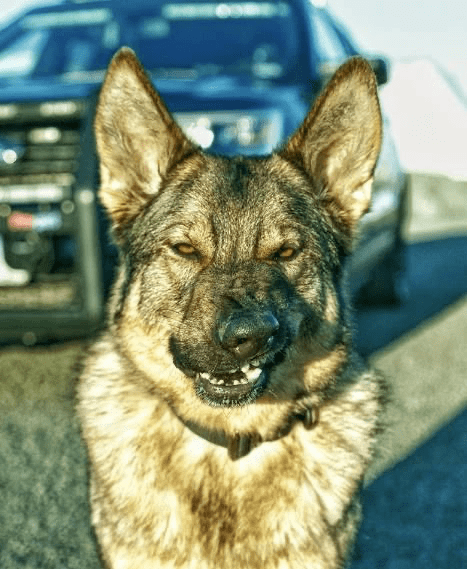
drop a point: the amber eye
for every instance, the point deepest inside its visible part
(184, 249)
(286, 253)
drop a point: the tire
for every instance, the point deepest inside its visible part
(388, 283)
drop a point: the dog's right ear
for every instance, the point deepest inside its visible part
(137, 139)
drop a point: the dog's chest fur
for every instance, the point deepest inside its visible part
(182, 502)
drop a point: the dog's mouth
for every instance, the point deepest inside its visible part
(235, 387)
(227, 388)
(222, 386)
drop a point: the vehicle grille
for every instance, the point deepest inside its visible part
(44, 210)
(48, 140)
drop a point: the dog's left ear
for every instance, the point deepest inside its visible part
(339, 142)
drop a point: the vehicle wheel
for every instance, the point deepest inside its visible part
(388, 283)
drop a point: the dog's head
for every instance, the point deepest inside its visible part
(231, 267)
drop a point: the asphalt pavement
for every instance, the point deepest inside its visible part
(415, 508)
(420, 345)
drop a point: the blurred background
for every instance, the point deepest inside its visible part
(239, 78)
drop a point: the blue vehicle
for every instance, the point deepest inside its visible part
(238, 76)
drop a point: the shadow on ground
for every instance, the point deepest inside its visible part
(416, 513)
(436, 277)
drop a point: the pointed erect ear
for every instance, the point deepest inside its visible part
(339, 142)
(137, 139)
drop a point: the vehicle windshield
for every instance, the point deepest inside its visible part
(49, 44)
(172, 39)
(257, 37)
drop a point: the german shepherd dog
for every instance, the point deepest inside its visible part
(228, 422)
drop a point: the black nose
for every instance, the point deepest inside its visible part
(249, 334)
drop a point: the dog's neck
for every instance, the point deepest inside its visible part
(239, 445)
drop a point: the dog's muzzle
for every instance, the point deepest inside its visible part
(248, 345)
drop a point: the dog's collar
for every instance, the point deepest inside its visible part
(238, 445)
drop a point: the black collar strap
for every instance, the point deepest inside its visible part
(238, 445)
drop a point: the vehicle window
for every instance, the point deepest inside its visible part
(56, 43)
(327, 41)
(258, 37)
(20, 58)
(172, 38)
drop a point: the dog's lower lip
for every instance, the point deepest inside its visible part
(238, 391)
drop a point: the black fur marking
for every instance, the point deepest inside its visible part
(240, 172)
(124, 288)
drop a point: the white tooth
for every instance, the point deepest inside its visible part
(243, 380)
(253, 374)
(246, 368)
(233, 370)
(205, 376)
(220, 382)
(236, 382)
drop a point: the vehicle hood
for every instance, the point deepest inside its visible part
(31, 90)
(220, 92)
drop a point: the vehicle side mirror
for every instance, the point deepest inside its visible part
(381, 68)
(379, 65)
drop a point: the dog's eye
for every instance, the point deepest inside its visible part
(184, 249)
(286, 253)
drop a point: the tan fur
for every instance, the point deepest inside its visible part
(201, 236)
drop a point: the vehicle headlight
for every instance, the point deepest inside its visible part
(257, 132)
(60, 108)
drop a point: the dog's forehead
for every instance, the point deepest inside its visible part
(239, 186)
(238, 202)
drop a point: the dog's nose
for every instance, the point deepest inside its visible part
(247, 335)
